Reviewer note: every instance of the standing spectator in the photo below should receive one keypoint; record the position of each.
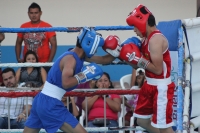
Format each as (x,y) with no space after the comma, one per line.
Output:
(35,76)
(2,37)
(17,105)
(39,41)
(96,105)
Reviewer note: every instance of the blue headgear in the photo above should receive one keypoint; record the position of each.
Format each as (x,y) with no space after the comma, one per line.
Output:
(89,41)
(133,40)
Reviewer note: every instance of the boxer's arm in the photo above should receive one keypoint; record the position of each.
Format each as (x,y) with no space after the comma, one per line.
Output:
(106,59)
(67,66)
(130,53)
(53,43)
(18,47)
(2,37)
(132,65)
(110,46)
(156,53)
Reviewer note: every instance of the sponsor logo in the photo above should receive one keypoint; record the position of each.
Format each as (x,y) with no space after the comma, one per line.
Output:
(90,69)
(130,56)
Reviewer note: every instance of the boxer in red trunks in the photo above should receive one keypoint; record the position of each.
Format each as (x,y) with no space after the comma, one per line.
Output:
(154,107)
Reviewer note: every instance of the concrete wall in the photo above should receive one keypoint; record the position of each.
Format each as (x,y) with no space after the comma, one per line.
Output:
(72,13)
(66,13)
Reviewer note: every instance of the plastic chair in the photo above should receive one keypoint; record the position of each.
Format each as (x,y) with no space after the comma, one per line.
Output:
(125,79)
(82,117)
(120,117)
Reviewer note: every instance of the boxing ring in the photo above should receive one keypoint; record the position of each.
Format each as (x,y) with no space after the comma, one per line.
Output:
(182,40)
(192,89)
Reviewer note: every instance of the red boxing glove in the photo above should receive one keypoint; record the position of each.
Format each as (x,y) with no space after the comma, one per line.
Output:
(131,53)
(112,45)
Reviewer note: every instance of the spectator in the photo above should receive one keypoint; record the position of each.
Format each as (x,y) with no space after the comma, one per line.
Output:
(73,109)
(133,77)
(17,105)
(31,76)
(39,41)
(2,37)
(86,85)
(131,100)
(96,105)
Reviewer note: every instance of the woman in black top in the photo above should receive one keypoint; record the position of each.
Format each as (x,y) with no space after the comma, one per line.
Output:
(34,76)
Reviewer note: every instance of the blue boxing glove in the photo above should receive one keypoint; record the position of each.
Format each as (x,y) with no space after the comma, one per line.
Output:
(89,72)
(133,40)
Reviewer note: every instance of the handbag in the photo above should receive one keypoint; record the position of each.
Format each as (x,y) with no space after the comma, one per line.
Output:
(100,122)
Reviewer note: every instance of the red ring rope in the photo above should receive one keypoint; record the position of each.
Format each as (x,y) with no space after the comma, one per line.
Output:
(12,94)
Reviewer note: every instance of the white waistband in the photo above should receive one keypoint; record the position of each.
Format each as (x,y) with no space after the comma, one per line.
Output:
(53,91)
(153,81)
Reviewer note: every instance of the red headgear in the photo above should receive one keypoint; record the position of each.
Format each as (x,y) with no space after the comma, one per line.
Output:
(138,18)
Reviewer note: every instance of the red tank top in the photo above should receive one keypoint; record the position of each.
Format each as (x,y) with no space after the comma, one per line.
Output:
(166,58)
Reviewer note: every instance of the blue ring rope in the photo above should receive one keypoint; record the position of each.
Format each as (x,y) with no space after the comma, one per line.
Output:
(62,29)
(180,95)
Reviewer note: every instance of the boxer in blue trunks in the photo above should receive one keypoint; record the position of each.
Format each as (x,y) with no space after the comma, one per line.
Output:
(48,112)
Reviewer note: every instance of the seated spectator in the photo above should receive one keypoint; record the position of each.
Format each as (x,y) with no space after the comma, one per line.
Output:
(71,106)
(95,105)
(86,85)
(32,76)
(1,79)
(17,106)
(131,100)
(2,37)
(133,78)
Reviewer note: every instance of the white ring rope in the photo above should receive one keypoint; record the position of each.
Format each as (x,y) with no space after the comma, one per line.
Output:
(88,129)
(46,64)
(25,64)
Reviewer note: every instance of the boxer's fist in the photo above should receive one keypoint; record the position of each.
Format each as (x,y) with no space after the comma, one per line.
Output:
(133,40)
(89,72)
(112,45)
(131,53)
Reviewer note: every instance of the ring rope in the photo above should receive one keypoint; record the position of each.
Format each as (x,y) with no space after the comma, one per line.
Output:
(71,93)
(76,29)
(88,129)
(49,64)
(0,52)
(62,29)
